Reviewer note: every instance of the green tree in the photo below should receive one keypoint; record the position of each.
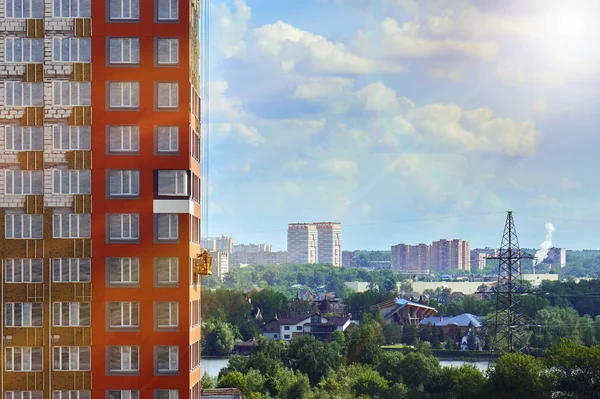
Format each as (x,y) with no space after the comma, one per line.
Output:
(468,382)
(557,323)
(311,357)
(270,302)
(587,330)
(518,376)
(364,342)
(220,341)
(389,365)
(208,382)
(472,340)
(576,369)
(418,368)
(392,333)
(234,379)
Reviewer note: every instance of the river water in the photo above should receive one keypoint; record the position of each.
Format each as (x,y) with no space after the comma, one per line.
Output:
(212,366)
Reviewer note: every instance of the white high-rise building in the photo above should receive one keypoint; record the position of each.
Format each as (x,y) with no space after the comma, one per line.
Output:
(330,243)
(302,243)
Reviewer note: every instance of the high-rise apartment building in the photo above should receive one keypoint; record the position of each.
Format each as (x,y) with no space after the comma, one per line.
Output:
(220,263)
(411,257)
(223,243)
(330,243)
(99,198)
(252,248)
(302,243)
(348,258)
(439,256)
(479,256)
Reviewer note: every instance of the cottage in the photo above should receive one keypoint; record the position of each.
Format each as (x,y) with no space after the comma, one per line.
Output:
(405,312)
(456,328)
(317,325)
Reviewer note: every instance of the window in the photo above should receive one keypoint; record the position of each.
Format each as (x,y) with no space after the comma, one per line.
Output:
(167,314)
(167,226)
(168,94)
(124,271)
(124,314)
(195,354)
(124,226)
(71,314)
(167,139)
(195,229)
(72,395)
(71,181)
(123,358)
(72,9)
(168,51)
(67,93)
(23,182)
(24,395)
(23,94)
(72,270)
(167,394)
(20,138)
(17,49)
(72,225)
(123,183)
(172,182)
(123,394)
(286,336)
(168,10)
(22,9)
(24,270)
(298,328)
(123,139)
(167,271)
(286,328)
(196,188)
(24,358)
(72,358)
(124,9)
(124,50)
(24,314)
(68,138)
(71,49)
(19,226)
(124,94)
(195,144)
(196,310)
(167,359)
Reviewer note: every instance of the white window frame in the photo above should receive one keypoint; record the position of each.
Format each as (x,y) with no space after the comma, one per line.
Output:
(68,94)
(26,94)
(71,49)
(74,10)
(124,394)
(172,270)
(74,183)
(23,138)
(129,138)
(35,9)
(76,225)
(173,15)
(71,270)
(75,136)
(129,314)
(125,359)
(127,94)
(173,95)
(129,270)
(127,50)
(124,220)
(74,312)
(13,311)
(172,233)
(173,355)
(27,354)
(172,136)
(75,358)
(24,395)
(127,10)
(128,182)
(177,175)
(173,314)
(72,394)
(171,46)
(19,50)
(26,220)
(29,270)
(22,182)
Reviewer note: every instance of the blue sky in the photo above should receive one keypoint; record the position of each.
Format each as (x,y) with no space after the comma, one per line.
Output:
(406,120)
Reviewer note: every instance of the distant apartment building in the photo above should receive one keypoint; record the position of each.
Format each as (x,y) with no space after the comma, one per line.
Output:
(348,258)
(259,258)
(221,244)
(220,263)
(252,248)
(479,256)
(329,243)
(557,256)
(302,243)
(439,256)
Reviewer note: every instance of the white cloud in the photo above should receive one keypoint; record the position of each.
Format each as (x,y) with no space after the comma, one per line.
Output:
(222,106)
(365,209)
(246,134)
(540,107)
(231,27)
(323,88)
(451,73)
(340,167)
(569,184)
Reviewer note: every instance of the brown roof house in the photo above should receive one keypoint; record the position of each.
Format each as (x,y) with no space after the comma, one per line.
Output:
(317,325)
(405,312)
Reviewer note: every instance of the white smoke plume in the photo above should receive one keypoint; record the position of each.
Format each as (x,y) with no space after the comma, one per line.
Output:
(542,253)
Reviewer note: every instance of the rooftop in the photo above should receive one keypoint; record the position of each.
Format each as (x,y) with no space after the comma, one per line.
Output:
(462,320)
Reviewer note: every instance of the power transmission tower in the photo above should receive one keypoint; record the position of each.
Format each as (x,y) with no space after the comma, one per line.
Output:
(509,331)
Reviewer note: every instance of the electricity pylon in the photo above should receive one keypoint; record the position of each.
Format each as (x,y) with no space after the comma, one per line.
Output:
(509,330)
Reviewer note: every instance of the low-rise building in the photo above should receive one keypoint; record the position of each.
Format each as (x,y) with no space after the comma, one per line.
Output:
(221,393)
(404,312)
(455,328)
(317,325)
